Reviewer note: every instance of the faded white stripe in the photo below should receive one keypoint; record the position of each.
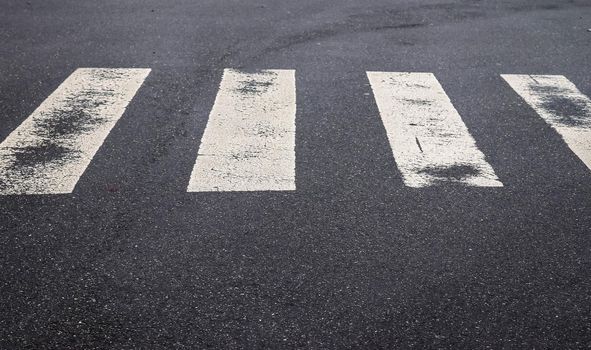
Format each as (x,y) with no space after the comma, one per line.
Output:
(560,104)
(249,140)
(51,149)
(430,142)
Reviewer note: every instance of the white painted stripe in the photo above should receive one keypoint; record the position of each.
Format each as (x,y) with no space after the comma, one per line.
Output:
(430,142)
(249,140)
(560,104)
(51,149)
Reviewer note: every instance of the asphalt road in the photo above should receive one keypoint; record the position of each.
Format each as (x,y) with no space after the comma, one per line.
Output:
(352,258)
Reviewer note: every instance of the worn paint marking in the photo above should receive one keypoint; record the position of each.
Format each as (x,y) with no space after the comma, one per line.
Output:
(430,142)
(52,148)
(249,140)
(561,105)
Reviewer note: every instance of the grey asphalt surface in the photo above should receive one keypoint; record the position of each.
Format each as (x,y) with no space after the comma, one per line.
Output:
(353,258)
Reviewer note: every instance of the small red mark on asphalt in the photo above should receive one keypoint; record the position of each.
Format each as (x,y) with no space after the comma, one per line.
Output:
(112,188)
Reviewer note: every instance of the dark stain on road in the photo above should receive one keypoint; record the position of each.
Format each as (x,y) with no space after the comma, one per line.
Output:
(78,116)
(546,89)
(40,154)
(253,86)
(568,111)
(66,123)
(455,172)
(418,101)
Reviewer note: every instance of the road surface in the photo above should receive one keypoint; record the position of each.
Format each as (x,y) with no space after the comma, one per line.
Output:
(259,174)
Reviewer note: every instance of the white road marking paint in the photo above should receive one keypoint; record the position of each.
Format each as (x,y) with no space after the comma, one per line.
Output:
(249,140)
(560,104)
(52,148)
(430,142)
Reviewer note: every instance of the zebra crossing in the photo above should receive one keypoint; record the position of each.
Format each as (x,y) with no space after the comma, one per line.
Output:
(51,149)
(249,142)
(560,104)
(427,136)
